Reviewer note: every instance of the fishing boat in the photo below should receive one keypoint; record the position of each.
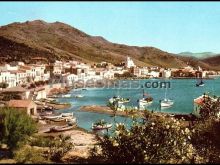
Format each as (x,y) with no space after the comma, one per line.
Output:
(59,119)
(67,114)
(200,84)
(84,89)
(72,120)
(119,99)
(166,102)
(100,125)
(66,96)
(145,100)
(79,96)
(62,128)
(53,116)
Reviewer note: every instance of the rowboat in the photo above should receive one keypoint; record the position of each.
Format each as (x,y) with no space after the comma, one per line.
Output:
(62,128)
(66,96)
(79,96)
(66,114)
(100,127)
(52,116)
(101,124)
(59,119)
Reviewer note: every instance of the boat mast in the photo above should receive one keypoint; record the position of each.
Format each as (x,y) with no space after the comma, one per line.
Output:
(165,95)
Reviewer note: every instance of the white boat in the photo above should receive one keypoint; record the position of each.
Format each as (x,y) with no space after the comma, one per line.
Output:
(59,119)
(166,102)
(62,128)
(101,124)
(66,96)
(119,99)
(67,114)
(52,116)
(200,84)
(79,96)
(145,100)
(100,127)
(72,120)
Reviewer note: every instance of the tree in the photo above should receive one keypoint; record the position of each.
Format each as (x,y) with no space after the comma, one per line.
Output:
(3,85)
(155,140)
(16,126)
(59,147)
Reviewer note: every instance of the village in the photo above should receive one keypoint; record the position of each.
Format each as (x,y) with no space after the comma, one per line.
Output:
(32,82)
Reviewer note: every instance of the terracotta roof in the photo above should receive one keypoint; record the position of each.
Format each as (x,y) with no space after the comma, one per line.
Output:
(199,101)
(19,103)
(25,67)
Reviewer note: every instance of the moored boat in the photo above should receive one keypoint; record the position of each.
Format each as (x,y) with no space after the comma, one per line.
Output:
(166,103)
(145,100)
(101,124)
(66,96)
(119,100)
(79,96)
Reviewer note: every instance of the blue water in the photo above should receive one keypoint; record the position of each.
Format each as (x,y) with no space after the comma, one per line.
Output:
(181,91)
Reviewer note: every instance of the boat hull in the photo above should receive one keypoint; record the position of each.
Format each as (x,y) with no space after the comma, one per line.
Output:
(102,127)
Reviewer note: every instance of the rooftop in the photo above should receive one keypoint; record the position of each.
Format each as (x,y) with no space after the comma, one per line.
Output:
(19,103)
(15,89)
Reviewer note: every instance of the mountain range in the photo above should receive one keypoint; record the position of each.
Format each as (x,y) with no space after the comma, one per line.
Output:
(59,41)
(201,55)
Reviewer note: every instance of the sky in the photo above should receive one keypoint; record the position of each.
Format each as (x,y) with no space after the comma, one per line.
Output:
(170,26)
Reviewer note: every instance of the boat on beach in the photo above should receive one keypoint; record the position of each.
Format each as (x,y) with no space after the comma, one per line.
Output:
(100,125)
(62,128)
(66,96)
(67,114)
(59,119)
(52,116)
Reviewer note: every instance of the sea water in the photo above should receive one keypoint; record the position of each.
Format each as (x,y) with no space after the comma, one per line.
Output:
(182,91)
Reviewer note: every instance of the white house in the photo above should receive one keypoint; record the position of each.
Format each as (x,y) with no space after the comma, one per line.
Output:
(166,73)
(7,77)
(129,63)
(154,74)
(69,79)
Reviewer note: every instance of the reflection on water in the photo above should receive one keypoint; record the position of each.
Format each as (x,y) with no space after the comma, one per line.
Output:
(182,92)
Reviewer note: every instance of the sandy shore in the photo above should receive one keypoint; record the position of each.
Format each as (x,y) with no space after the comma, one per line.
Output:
(82,140)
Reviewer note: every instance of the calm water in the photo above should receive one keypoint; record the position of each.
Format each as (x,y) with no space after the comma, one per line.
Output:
(182,92)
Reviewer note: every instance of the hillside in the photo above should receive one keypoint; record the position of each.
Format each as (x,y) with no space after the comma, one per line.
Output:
(23,41)
(201,55)
(213,61)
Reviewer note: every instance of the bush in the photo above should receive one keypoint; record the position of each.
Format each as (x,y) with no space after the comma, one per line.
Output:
(28,154)
(16,126)
(3,85)
(58,146)
(156,141)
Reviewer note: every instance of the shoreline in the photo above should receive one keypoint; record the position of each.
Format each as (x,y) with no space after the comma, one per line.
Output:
(102,110)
